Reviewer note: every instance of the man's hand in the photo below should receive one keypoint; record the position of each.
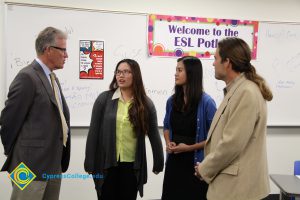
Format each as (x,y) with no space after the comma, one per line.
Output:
(197,168)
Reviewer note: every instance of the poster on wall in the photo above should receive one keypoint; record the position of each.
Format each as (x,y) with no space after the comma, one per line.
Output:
(177,36)
(91,59)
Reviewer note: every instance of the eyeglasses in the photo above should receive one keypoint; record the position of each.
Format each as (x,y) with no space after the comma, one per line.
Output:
(64,50)
(122,72)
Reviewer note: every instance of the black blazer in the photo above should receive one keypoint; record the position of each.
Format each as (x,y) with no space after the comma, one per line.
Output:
(31,129)
(100,153)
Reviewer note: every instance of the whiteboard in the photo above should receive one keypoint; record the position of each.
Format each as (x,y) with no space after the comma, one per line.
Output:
(125,36)
(279,63)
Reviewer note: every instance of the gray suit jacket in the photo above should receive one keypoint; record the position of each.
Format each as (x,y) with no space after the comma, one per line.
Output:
(31,129)
(235,165)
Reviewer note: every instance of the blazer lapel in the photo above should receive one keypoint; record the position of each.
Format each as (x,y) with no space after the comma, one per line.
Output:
(217,116)
(45,81)
(223,105)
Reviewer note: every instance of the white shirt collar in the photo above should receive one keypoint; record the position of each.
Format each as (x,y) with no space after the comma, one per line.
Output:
(117,94)
(45,68)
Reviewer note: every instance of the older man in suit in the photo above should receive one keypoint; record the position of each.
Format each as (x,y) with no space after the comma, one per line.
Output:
(235,164)
(35,120)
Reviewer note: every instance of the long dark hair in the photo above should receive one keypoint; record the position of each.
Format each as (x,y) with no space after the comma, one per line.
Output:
(138,111)
(193,86)
(239,54)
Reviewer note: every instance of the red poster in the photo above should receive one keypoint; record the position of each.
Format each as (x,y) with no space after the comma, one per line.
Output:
(91,59)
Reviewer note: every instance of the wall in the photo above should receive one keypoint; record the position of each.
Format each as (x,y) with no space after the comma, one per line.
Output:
(283,147)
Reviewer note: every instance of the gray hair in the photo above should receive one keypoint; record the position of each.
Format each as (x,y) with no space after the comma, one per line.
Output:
(48,37)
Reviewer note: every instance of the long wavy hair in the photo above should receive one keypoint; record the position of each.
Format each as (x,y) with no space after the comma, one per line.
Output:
(193,86)
(138,111)
(239,54)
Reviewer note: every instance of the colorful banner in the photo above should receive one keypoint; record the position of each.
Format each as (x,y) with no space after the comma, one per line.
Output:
(176,36)
(91,59)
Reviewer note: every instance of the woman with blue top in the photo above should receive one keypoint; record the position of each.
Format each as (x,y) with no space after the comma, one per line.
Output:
(189,113)
(122,117)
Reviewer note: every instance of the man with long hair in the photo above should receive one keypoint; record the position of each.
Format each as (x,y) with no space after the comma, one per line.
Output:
(235,163)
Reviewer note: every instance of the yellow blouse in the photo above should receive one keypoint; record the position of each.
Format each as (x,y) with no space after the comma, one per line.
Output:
(126,139)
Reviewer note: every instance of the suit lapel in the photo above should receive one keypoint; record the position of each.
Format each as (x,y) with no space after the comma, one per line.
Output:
(217,116)
(45,81)
(223,106)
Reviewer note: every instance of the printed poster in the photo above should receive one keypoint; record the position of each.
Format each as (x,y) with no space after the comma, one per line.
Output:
(91,59)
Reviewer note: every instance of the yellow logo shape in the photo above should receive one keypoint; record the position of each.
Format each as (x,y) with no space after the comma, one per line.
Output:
(22,176)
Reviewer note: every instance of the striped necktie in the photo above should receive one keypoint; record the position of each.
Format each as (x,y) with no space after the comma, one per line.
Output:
(62,116)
